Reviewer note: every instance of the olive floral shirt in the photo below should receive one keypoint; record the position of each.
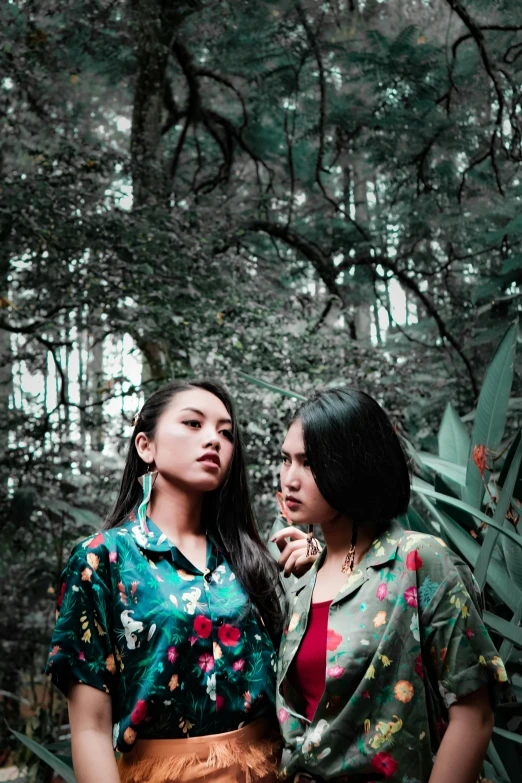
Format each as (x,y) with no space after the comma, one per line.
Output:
(405,641)
(181,652)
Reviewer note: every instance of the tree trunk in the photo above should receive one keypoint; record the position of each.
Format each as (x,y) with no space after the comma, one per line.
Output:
(156,23)
(95,383)
(362,276)
(6,359)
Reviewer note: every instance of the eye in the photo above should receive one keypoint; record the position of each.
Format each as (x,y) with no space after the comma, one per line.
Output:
(229,435)
(306,464)
(284,459)
(194,423)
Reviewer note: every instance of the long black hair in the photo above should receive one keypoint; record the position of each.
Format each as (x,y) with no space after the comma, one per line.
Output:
(355,456)
(227,512)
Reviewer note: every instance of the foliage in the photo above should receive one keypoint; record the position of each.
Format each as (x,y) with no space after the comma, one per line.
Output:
(494,547)
(305,193)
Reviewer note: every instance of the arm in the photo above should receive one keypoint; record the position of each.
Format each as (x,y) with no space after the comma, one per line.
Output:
(465,742)
(90,716)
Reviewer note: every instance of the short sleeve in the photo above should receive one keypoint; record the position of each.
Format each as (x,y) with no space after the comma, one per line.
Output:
(455,640)
(81,647)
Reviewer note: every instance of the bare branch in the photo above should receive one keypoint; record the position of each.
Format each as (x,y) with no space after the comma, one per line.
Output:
(321,263)
(477,34)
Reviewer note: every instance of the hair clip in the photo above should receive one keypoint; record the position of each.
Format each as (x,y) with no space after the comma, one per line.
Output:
(136,419)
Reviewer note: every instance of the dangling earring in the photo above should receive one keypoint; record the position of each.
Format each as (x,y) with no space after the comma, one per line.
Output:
(312,544)
(349,562)
(147,481)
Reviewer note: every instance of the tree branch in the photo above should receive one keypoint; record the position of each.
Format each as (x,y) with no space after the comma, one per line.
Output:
(476,33)
(409,282)
(321,263)
(498,27)
(328,273)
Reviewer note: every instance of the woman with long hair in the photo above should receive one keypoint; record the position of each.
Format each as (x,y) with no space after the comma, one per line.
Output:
(386,671)
(167,619)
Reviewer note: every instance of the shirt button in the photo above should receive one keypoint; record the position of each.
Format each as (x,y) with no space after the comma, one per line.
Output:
(220,621)
(208,577)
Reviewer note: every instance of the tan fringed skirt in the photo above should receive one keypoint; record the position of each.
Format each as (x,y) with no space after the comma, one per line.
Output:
(248,755)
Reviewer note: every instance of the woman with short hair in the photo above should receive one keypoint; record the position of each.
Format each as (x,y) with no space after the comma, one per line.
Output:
(386,671)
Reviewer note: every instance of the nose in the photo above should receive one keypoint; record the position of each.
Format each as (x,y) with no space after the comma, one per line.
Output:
(211,441)
(290,478)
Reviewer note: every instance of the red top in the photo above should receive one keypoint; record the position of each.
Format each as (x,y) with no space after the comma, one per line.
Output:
(308,669)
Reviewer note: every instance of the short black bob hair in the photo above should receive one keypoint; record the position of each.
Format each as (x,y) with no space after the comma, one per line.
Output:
(355,456)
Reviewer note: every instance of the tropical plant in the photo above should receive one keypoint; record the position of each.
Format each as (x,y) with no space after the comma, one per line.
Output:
(51,755)
(471,493)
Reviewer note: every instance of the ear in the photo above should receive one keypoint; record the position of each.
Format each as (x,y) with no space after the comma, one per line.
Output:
(145,448)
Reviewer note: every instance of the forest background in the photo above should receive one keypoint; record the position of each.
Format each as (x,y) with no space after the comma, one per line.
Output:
(302,192)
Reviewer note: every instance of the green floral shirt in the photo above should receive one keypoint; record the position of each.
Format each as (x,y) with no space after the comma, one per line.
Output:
(182,653)
(405,640)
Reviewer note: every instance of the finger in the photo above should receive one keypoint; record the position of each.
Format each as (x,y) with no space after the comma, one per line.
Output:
(292,546)
(293,533)
(289,565)
(303,564)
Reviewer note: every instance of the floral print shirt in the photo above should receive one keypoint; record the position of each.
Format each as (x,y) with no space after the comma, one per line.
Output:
(405,641)
(182,653)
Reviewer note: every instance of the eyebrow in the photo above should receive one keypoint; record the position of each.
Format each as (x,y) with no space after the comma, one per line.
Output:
(200,413)
(299,453)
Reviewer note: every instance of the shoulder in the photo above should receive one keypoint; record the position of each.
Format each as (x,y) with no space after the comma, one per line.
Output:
(438,570)
(422,552)
(98,551)
(102,543)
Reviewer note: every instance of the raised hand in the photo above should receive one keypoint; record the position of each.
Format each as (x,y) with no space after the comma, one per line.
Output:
(292,544)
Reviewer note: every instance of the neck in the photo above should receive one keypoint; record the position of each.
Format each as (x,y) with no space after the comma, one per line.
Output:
(337,534)
(176,511)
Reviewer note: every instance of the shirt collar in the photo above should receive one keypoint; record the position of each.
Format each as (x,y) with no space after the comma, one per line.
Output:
(383,549)
(156,541)
(385,546)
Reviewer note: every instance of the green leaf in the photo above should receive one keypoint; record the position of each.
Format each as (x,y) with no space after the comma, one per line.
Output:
(417,523)
(464,519)
(270,386)
(513,560)
(510,735)
(517,492)
(500,772)
(490,417)
(85,517)
(454,441)
(450,470)
(513,264)
(469,549)
(504,628)
(490,288)
(506,648)
(512,556)
(49,758)
(499,518)
(426,489)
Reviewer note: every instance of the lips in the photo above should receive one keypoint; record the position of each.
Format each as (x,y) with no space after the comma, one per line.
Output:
(292,502)
(211,456)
